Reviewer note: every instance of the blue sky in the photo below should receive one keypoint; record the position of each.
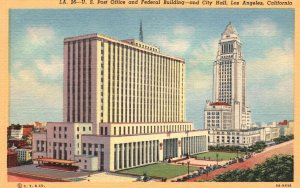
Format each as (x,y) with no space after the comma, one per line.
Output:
(36,54)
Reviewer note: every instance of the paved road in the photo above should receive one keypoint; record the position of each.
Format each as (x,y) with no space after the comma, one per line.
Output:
(32,170)
(12,178)
(284,148)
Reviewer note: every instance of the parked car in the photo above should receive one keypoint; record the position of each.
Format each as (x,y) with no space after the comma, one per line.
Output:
(185,178)
(140,178)
(225,165)
(147,178)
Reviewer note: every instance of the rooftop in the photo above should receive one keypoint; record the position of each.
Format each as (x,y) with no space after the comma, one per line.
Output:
(219,104)
(230,32)
(51,160)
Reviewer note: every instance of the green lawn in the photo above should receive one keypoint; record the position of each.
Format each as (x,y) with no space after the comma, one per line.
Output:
(160,170)
(213,155)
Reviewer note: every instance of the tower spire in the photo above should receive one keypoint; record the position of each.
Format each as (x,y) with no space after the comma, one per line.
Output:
(141,31)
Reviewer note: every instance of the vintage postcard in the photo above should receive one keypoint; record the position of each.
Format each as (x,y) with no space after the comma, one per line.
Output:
(167,93)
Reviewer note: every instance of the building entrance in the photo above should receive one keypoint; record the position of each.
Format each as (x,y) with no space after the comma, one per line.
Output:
(170,148)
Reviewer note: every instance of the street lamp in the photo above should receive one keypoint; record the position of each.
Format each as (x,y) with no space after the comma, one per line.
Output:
(188,143)
(188,163)
(217,158)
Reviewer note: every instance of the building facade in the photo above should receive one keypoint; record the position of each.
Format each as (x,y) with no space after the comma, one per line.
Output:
(12,158)
(24,154)
(124,106)
(228,112)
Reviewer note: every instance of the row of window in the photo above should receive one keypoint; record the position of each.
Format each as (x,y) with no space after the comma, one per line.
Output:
(114,64)
(88,150)
(85,74)
(146,129)
(136,153)
(60,128)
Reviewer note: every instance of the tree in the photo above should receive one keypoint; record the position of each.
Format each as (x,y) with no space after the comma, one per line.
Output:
(279,168)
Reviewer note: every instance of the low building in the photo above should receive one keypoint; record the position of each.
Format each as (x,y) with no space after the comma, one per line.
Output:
(118,145)
(24,155)
(12,158)
(286,128)
(241,138)
(16,131)
(270,132)
(19,143)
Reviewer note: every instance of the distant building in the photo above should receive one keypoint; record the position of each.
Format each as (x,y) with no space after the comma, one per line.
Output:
(286,128)
(16,131)
(235,137)
(19,135)
(12,158)
(19,143)
(270,132)
(227,117)
(24,154)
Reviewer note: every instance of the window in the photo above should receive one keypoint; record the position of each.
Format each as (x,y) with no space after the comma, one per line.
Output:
(90,128)
(101,131)
(59,128)
(105,130)
(77,136)
(54,128)
(83,128)
(77,128)
(65,128)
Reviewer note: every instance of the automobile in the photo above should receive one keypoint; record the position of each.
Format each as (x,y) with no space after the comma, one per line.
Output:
(190,176)
(147,178)
(225,165)
(185,178)
(200,173)
(140,178)
(179,180)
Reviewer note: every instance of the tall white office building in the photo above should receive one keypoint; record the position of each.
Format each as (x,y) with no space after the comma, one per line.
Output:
(229,111)
(124,106)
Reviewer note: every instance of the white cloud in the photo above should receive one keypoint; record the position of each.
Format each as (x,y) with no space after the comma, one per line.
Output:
(40,35)
(272,101)
(175,46)
(198,81)
(205,54)
(37,38)
(26,88)
(270,83)
(176,42)
(52,69)
(277,62)
(181,29)
(260,27)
